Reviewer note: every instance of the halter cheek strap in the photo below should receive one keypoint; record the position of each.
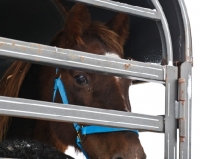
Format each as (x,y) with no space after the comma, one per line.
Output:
(58,85)
(83,130)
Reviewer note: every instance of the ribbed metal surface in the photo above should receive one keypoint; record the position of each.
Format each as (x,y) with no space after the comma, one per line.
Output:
(66,58)
(72,113)
(122,7)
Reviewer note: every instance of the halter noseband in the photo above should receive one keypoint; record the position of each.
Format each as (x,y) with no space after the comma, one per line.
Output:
(83,130)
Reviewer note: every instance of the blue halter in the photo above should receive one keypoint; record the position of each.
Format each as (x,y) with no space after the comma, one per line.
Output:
(83,130)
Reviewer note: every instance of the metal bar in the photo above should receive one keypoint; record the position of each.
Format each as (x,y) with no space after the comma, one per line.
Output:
(163,42)
(122,7)
(185,143)
(166,40)
(170,113)
(66,58)
(187,29)
(72,113)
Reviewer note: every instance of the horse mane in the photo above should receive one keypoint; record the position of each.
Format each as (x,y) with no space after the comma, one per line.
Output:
(10,85)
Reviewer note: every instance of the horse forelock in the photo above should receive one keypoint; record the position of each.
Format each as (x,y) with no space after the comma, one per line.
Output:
(102,33)
(107,36)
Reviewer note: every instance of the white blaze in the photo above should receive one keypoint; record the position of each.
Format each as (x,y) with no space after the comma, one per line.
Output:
(112,54)
(117,79)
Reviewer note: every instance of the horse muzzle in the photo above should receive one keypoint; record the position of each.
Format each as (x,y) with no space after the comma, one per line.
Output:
(114,145)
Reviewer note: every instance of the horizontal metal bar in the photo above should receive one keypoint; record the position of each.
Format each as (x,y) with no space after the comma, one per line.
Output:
(122,7)
(42,54)
(73,113)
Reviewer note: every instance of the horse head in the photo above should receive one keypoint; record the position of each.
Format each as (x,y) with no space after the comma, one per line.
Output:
(91,89)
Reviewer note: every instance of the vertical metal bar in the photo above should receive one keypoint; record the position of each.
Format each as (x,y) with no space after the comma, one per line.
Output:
(187,29)
(185,145)
(164,30)
(170,119)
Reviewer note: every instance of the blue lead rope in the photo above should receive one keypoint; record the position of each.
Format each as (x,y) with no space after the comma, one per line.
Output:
(84,130)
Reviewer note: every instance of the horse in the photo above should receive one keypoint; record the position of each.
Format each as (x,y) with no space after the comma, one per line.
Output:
(82,88)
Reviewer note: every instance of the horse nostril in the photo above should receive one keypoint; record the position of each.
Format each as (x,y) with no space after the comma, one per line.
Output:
(118,158)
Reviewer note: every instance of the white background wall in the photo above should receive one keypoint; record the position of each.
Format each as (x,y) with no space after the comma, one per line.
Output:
(149,98)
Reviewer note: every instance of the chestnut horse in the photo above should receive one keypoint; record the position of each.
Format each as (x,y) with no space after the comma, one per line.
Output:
(86,89)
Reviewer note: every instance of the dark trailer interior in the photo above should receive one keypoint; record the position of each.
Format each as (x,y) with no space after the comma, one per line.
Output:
(165,42)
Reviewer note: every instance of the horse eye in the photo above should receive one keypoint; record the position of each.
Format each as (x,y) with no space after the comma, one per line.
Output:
(80,79)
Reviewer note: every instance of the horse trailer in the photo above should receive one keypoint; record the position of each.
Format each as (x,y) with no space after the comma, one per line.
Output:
(159,42)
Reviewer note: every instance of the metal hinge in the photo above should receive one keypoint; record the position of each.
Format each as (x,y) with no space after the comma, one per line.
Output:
(180,108)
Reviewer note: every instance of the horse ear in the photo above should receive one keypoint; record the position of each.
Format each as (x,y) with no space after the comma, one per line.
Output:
(120,25)
(78,21)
